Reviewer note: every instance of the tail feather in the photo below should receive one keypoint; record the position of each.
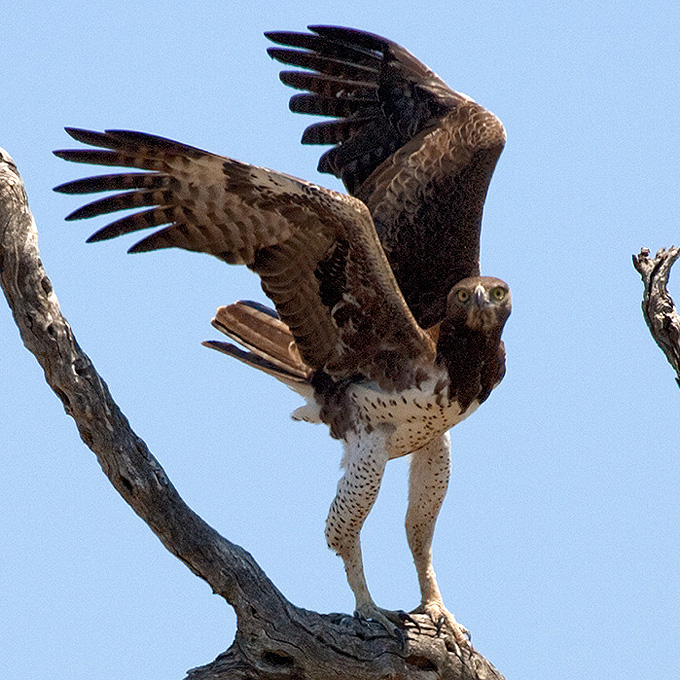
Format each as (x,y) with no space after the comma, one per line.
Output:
(271,345)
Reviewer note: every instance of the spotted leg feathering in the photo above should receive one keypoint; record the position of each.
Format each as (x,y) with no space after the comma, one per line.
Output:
(428,481)
(364,460)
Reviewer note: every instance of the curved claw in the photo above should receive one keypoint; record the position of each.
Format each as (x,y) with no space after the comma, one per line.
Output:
(444,620)
(391,621)
(405,616)
(460,633)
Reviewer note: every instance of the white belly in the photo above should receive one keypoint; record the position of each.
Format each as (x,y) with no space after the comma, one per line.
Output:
(418,415)
(415,416)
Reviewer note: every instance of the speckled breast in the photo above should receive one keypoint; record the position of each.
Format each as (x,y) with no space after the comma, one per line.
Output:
(418,414)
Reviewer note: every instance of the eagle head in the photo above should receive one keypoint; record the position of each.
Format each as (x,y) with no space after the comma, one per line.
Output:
(481,303)
(469,342)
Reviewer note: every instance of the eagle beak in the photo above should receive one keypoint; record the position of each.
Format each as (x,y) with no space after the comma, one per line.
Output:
(480,297)
(481,314)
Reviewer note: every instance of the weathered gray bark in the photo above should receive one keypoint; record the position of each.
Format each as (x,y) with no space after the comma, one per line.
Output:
(657,305)
(274,639)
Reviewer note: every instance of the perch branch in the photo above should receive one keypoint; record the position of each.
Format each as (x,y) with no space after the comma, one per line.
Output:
(658,307)
(274,639)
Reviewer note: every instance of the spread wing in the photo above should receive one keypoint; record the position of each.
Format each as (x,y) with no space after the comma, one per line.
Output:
(315,250)
(417,153)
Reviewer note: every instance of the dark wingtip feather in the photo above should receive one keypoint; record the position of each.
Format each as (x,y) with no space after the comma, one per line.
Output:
(133,140)
(129,224)
(109,204)
(142,247)
(365,39)
(126,140)
(232,351)
(156,241)
(269,52)
(90,137)
(91,156)
(290,38)
(76,215)
(114,182)
(101,235)
(65,188)
(66,154)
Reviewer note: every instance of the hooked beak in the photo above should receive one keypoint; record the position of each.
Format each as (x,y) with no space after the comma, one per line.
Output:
(480,298)
(481,315)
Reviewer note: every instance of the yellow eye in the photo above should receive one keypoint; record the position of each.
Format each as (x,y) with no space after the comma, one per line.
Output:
(462,295)
(498,293)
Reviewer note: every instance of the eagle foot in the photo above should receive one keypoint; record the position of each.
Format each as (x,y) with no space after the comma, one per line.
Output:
(444,621)
(405,616)
(392,621)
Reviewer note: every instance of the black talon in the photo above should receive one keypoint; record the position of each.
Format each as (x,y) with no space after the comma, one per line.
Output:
(405,616)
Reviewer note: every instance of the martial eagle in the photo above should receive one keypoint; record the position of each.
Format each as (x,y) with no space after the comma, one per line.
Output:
(383,322)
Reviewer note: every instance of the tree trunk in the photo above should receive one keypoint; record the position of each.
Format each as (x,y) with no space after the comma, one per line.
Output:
(275,639)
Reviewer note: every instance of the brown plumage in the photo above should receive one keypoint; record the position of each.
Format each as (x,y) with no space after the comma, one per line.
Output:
(270,345)
(417,153)
(417,158)
(315,250)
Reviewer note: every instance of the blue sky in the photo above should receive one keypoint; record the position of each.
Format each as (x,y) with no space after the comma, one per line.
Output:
(558,542)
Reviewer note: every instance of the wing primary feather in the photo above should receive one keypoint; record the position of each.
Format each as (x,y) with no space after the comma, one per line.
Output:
(95,157)
(126,225)
(133,140)
(337,107)
(332,132)
(329,48)
(328,86)
(131,199)
(128,140)
(177,235)
(132,180)
(90,137)
(322,64)
(353,36)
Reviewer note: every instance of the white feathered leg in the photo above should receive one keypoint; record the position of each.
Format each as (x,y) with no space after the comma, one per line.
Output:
(428,482)
(363,463)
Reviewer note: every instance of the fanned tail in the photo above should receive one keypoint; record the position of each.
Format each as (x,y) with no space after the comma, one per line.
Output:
(270,344)
(269,347)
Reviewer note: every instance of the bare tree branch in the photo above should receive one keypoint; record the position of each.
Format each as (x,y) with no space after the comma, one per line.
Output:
(658,307)
(274,639)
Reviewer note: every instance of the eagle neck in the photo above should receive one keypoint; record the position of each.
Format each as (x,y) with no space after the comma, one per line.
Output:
(474,361)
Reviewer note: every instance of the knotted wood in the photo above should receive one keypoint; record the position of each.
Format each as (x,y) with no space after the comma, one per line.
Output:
(658,307)
(275,639)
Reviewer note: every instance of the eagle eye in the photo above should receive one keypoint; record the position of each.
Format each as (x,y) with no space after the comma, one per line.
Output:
(498,293)
(463,295)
